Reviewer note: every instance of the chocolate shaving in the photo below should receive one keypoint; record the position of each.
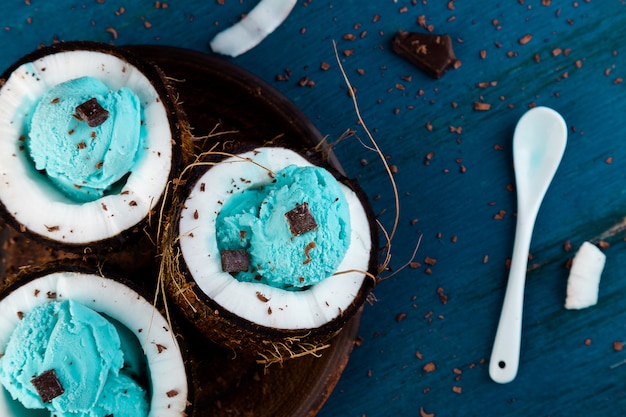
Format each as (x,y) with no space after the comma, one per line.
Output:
(300,219)
(235,260)
(307,250)
(92,112)
(431,53)
(48,386)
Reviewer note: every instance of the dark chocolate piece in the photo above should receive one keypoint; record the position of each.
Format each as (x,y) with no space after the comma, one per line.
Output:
(235,260)
(431,53)
(92,112)
(48,386)
(300,219)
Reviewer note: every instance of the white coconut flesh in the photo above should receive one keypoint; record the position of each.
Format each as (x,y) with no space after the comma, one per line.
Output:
(306,309)
(168,380)
(35,202)
(262,20)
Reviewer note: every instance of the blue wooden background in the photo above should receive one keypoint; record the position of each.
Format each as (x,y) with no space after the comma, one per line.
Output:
(462,202)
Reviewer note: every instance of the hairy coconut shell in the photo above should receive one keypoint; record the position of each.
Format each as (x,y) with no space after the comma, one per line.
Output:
(230,330)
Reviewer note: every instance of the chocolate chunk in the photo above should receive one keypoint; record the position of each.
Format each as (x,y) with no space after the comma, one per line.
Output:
(235,260)
(48,386)
(92,112)
(300,219)
(431,53)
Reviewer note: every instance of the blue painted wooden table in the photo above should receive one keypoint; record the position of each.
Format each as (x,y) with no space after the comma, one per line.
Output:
(425,342)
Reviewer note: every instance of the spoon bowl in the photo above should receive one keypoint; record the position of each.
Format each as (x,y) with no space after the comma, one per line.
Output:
(538,145)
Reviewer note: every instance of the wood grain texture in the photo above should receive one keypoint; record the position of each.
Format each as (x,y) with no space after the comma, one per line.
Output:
(575,63)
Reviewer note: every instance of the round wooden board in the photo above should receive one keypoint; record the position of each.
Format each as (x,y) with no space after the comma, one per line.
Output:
(217,94)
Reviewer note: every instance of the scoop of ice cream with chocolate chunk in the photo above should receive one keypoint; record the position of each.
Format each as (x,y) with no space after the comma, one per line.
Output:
(295,230)
(301,252)
(85,137)
(67,358)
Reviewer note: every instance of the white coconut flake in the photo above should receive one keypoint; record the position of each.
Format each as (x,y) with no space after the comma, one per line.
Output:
(584,278)
(283,309)
(168,378)
(262,20)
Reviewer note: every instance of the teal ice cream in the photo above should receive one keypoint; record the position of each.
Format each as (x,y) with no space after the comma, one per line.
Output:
(258,221)
(84,350)
(82,158)
(121,397)
(135,361)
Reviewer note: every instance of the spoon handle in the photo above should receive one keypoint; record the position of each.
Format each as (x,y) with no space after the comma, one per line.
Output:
(504,360)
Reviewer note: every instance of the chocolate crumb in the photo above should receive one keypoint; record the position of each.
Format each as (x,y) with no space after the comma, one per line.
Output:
(48,386)
(481,106)
(429,367)
(112,31)
(307,250)
(442,295)
(525,39)
(567,246)
(423,413)
(92,112)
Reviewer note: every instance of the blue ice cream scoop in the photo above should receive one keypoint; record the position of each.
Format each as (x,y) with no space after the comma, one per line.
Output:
(121,397)
(294,230)
(85,136)
(78,352)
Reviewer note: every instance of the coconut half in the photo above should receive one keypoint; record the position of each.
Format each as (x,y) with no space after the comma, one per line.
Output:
(167,377)
(250,316)
(28,198)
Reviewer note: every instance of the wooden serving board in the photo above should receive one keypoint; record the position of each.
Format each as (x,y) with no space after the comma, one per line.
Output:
(216,94)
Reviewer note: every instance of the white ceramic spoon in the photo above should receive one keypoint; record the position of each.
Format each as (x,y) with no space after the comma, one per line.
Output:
(538,145)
